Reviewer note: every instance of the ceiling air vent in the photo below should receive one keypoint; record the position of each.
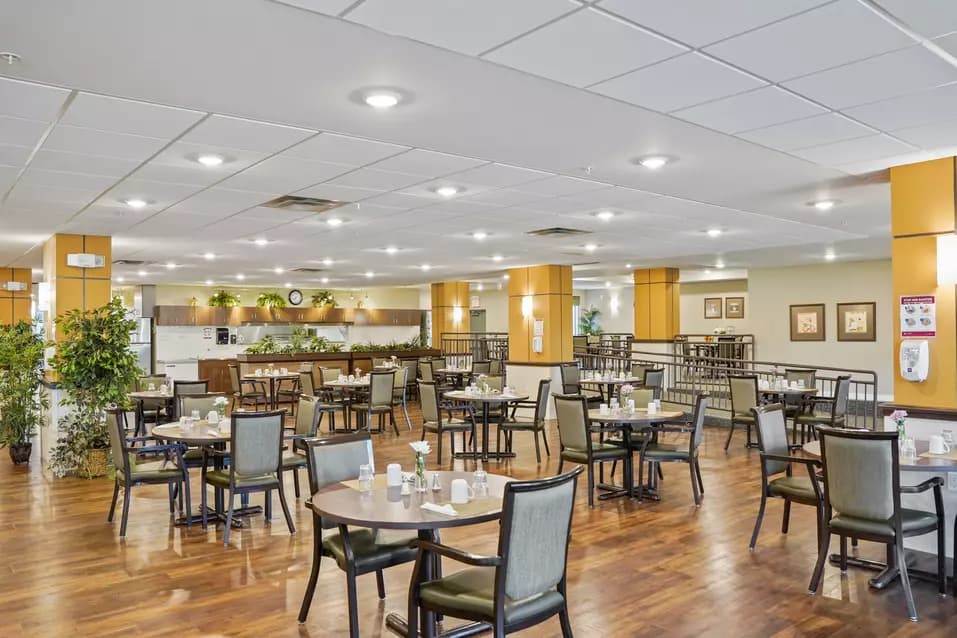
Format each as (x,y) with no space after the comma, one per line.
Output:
(131,262)
(305,270)
(558,231)
(304,204)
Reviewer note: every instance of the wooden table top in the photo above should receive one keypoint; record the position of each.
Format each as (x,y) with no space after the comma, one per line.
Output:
(639,416)
(150,394)
(788,390)
(201,433)
(363,383)
(481,397)
(941,463)
(386,507)
(263,377)
(615,381)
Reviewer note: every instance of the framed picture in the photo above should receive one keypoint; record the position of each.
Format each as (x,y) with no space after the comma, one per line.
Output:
(734,307)
(855,321)
(807,322)
(712,307)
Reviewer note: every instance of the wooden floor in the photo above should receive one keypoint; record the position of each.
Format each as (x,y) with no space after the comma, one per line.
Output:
(635,569)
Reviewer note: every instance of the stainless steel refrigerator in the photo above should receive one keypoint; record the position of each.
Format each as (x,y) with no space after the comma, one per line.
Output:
(141,343)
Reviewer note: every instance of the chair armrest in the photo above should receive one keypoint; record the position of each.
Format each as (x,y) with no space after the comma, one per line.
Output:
(457,554)
(935,481)
(213,452)
(811,463)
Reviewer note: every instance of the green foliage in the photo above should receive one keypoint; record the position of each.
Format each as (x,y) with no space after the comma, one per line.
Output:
(95,368)
(271,300)
(323,299)
(414,343)
(223,299)
(266,345)
(21,373)
(588,323)
(299,341)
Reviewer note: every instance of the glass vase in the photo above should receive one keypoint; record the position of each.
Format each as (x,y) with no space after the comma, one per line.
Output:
(420,483)
(901,431)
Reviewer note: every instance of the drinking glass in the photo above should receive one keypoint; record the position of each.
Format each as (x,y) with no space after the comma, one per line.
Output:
(365,478)
(909,447)
(194,415)
(948,435)
(151,387)
(480,484)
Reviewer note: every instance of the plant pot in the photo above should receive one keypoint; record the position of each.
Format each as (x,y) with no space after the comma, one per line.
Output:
(96,462)
(20,453)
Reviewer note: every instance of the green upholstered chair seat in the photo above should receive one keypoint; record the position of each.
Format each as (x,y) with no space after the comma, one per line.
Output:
(666,452)
(369,554)
(152,471)
(520,423)
(743,418)
(796,488)
(447,425)
(193,454)
(292,459)
(819,418)
(471,592)
(915,522)
(600,452)
(220,478)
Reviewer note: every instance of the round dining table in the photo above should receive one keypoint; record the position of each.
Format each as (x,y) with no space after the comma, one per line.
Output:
(140,396)
(349,389)
(606,385)
(486,400)
(386,507)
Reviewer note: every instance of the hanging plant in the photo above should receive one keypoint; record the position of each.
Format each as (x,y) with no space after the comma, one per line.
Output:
(323,299)
(223,299)
(270,300)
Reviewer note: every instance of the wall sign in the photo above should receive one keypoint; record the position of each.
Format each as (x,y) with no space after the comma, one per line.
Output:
(918,316)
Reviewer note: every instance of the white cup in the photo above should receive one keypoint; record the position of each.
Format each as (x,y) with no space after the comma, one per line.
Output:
(938,445)
(151,387)
(652,408)
(259,372)
(213,417)
(393,474)
(194,414)
(461,492)
(631,405)
(602,408)
(285,370)
(164,389)
(658,404)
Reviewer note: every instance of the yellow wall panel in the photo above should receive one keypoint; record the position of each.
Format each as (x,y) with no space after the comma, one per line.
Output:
(96,293)
(6,312)
(549,287)
(922,197)
(21,310)
(99,245)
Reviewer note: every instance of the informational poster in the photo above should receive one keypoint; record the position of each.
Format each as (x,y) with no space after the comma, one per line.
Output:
(539,328)
(207,333)
(918,316)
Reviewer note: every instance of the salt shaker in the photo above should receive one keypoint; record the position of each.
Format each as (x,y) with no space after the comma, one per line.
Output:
(436,484)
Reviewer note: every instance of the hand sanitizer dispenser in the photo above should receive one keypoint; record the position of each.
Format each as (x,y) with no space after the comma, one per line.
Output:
(915,359)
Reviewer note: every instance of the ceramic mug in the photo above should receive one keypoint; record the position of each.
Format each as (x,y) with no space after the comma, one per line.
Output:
(461,492)
(938,445)
(393,474)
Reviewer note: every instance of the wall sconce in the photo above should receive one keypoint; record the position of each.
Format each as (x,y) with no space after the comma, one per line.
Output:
(457,314)
(614,304)
(947,260)
(527,306)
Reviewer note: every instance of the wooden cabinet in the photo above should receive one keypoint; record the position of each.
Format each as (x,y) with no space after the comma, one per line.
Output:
(217,371)
(206,316)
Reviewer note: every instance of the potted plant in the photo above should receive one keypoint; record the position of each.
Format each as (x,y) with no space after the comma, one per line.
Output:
(588,323)
(223,299)
(323,299)
(95,368)
(21,404)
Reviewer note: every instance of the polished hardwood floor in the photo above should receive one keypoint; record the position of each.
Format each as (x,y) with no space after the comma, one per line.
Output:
(635,569)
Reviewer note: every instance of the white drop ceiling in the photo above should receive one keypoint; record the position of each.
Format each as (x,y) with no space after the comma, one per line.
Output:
(535,110)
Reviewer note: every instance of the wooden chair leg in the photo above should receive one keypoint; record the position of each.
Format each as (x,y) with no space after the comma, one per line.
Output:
(116,492)
(565,623)
(295,481)
(757,522)
(905,580)
(314,574)
(538,451)
(353,603)
(730,434)
(591,484)
(843,554)
(821,558)
(694,484)
(785,521)
(229,517)
(126,509)
(285,509)
(380,584)
(697,468)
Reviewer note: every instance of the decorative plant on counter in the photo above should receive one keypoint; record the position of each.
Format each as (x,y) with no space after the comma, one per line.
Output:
(266,345)
(588,322)
(96,368)
(223,299)
(415,343)
(270,300)
(323,299)
(21,404)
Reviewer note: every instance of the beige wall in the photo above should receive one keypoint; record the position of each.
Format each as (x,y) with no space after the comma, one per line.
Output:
(392,298)
(495,304)
(617,306)
(692,306)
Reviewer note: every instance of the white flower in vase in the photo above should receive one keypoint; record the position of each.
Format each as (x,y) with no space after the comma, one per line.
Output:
(421,447)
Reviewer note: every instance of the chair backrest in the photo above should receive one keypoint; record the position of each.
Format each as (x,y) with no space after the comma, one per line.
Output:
(772,435)
(571,378)
(379,362)
(579,343)
(329,374)
(795,375)
(427,371)
(234,377)
(202,403)
(481,367)
(541,401)
(306,383)
(412,368)
(307,415)
(572,414)
(335,459)
(861,472)
(256,442)
(115,423)
(438,363)
(641,395)
(700,411)
(429,402)
(744,392)
(143,383)
(534,535)
(638,370)
(380,389)
(841,392)
(399,378)
(495,366)
(190,387)
(494,383)
(654,377)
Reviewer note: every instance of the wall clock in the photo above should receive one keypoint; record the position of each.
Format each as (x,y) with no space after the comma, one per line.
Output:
(295,296)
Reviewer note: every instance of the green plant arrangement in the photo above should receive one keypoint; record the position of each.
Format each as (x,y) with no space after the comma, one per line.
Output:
(21,403)
(223,299)
(323,299)
(266,345)
(270,300)
(588,323)
(414,343)
(95,368)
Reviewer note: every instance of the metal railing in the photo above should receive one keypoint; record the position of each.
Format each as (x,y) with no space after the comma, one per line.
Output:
(610,343)
(686,376)
(462,348)
(715,347)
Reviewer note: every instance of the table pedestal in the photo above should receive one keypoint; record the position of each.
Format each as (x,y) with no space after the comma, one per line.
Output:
(485,453)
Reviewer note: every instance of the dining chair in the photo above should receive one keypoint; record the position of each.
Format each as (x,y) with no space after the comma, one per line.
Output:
(246,391)
(830,411)
(356,550)
(411,376)
(130,471)
(862,483)
(795,405)
(400,390)
(744,397)
(575,437)
(638,370)
(536,424)
(329,395)
(496,367)
(571,383)
(255,465)
(379,402)
(188,387)
(288,391)
(307,426)
(655,452)
(308,388)
(432,420)
(481,367)
(777,478)
(156,408)
(524,583)
(655,378)
(379,362)
(202,403)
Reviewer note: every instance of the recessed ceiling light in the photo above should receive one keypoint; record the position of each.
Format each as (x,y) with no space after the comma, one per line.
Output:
(135,203)
(627,265)
(447,191)
(210,160)
(326,262)
(479,235)
(141,273)
(288,285)
(120,279)
(392,250)
(714,232)
(426,267)
(381,99)
(654,162)
(170,265)
(324,280)
(209,282)
(604,215)
(590,247)
(497,258)
(830,256)
(334,221)
(261,241)
(824,204)
(370,274)
(278,270)
(209,256)
(240,276)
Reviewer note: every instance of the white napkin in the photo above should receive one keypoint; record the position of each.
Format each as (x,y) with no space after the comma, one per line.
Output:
(448,510)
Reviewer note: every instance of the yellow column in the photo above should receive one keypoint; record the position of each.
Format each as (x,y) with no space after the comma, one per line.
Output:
(72,287)
(923,208)
(540,294)
(657,303)
(15,304)
(450,309)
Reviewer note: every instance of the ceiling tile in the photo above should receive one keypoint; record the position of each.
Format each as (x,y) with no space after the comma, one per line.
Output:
(605,47)
(375,179)
(755,109)
(712,20)
(427,163)
(82,163)
(75,139)
(342,149)
(677,83)
(7,176)
(399,200)
(825,37)
(284,175)
(159,195)
(20,132)
(30,101)
(948,43)
(504,197)
(177,163)
(501,175)
(941,134)
(930,18)
(329,7)
(857,150)
(11,155)
(339,192)
(906,111)
(811,131)
(560,185)
(878,78)
(93,184)
(249,135)
(218,202)
(460,25)
(129,116)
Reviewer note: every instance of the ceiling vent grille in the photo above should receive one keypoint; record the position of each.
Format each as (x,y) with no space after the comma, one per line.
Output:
(306,270)
(304,204)
(558,231)
(131,262)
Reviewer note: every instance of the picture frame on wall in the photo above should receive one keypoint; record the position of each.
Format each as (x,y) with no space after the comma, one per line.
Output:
(734,307)
(712,307)
(807,322)
(856,321)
